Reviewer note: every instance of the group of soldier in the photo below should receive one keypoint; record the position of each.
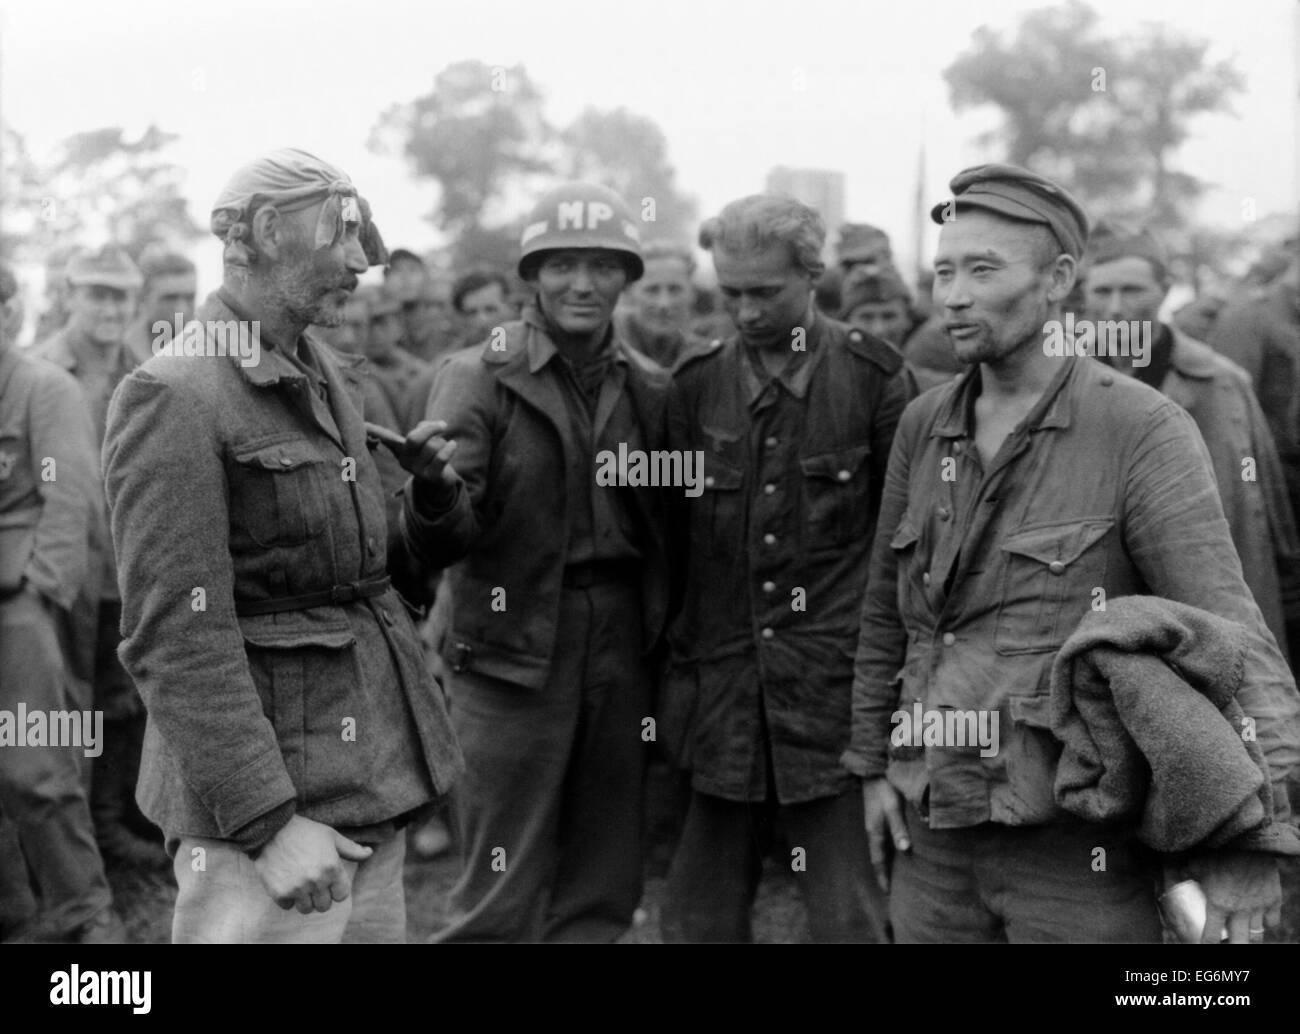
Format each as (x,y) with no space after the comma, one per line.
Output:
(369,585)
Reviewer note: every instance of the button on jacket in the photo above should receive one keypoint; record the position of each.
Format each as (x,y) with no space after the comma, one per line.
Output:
(774,553)
(229,483)
(978,576)
(524,476)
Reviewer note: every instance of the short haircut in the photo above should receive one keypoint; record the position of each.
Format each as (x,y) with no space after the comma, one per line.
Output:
(669,250)
(403,255)
(1111,241)
(476,280)
(1045,247)
(8,283)
(759,221)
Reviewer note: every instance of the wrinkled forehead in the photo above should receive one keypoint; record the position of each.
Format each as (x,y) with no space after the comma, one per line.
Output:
(974,234)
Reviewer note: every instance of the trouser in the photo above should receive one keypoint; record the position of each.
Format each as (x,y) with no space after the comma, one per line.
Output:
(549,807)
(41,789)
(715,873)
(119,823)
(220,899)
(1069,881)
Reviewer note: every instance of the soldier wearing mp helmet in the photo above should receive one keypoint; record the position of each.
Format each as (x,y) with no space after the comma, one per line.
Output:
(561,594)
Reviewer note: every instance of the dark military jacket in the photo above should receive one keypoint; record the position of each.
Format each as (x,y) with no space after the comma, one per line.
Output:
(774,556)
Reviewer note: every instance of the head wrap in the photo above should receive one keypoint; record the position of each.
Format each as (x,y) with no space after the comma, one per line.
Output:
(1016,193)
(291,180)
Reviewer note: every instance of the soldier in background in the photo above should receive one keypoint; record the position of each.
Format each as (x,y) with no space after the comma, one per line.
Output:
(656,316)
(170,288)
(1262,336)
(1127,280)
(393,367)
(102,289)
(55,313)
(862,250)
(50,498)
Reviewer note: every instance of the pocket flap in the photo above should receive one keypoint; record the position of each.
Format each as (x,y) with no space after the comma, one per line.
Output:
(1061,543)
(286,455)
(840,465)
(1031,710)
(905,536)
(324,627)
(720,475)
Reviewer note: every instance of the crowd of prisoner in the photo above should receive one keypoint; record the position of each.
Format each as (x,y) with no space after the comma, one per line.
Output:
(318,648)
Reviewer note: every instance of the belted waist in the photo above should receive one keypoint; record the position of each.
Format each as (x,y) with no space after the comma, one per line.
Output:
(596,572)
(337,595)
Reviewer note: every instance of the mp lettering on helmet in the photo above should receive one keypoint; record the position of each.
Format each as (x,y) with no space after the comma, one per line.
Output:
(571,215)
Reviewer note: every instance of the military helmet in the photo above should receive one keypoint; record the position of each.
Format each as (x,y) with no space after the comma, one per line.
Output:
(580,215)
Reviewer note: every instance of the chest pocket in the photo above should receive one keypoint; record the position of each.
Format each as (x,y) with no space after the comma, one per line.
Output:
(278,493)
(718,528)
(1050,572)
(837,491)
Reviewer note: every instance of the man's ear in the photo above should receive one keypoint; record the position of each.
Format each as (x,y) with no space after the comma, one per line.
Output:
(1063,273)
(270,232)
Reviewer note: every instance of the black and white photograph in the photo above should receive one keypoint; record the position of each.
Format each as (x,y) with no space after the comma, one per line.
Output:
(685,473)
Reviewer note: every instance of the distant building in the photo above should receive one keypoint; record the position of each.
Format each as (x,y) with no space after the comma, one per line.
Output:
(823,189)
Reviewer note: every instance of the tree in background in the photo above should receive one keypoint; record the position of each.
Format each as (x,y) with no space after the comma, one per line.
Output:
(99,185)
(1103,114)
(482,136)
(629,154)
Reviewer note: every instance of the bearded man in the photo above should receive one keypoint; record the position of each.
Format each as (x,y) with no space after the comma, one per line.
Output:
(293,729)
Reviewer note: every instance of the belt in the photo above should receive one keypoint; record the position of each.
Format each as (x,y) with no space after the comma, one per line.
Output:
(596,572)
(336,596)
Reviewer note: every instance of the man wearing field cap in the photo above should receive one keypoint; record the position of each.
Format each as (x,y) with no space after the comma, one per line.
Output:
(293,729)
(50,497)
(103,286)
(561,596)
(1127,280)
(1019,499)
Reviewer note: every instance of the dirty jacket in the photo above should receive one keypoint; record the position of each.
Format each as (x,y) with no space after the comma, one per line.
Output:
(978,577)
(774,555)
(227,484)
(510,522)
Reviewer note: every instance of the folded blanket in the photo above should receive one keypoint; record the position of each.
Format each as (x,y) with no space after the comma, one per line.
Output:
(1143,698)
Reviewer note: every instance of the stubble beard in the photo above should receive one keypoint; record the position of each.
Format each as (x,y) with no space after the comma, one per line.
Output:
(303,292)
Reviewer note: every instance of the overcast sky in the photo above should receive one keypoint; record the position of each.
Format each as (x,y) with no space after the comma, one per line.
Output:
(238,77)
